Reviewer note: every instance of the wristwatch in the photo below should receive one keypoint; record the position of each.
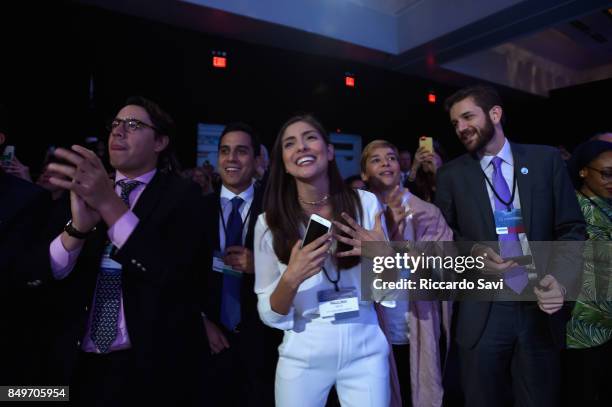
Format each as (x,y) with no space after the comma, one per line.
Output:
(72,231)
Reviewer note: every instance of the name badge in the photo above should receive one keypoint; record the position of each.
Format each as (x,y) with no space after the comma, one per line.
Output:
(107,263)
(220,267)
(507,222)
(338,305)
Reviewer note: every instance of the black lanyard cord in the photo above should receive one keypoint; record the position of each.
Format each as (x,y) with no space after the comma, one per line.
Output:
(246,218)
(334,282)
(509,203)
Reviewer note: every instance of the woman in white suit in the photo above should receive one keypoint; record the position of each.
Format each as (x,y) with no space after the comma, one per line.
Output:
(348,349)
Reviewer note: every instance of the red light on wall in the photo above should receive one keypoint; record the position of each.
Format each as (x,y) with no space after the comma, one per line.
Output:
(219,62)
(349,81)
(431,97)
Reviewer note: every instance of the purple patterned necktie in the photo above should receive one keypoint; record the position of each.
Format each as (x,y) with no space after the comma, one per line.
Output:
(509,244)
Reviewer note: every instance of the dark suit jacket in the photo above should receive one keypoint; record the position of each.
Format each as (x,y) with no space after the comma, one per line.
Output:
(23,213)
(248,299)
(550,213)
(248,366)
(160,282)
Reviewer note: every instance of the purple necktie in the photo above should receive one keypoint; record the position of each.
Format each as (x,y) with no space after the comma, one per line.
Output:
(509,244)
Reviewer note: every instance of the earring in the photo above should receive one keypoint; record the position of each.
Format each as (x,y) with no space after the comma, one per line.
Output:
(582,175)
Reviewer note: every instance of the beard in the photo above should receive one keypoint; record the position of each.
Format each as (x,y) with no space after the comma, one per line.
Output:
(483,136)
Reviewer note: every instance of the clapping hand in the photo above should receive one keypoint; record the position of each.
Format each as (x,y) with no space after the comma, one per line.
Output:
(88,180)
(396,214)
(357,234)
(87,176)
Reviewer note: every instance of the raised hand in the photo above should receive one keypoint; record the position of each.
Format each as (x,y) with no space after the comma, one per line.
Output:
(396,214)
(17,169)
(357,234)
(421,155)
(88,179)
(87,176)
(84,217)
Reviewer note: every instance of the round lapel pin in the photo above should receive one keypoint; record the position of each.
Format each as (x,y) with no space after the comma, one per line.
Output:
(524,170)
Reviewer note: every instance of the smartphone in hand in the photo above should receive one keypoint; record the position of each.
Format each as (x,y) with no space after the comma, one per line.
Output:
(426,142)
(7,156)
(520,260)
(317,227)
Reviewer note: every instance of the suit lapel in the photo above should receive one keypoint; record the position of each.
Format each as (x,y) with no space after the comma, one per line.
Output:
(255,211)
(146,203)
(216,240)
(476,188)
(524,183)
(150,196)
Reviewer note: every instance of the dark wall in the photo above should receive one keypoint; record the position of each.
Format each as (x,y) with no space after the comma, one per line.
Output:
(53,54)
(579,112)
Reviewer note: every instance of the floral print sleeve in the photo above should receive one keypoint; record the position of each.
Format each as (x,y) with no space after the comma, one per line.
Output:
(591,321)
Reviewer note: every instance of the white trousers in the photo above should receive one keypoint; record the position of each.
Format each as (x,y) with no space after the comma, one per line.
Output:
(352,354)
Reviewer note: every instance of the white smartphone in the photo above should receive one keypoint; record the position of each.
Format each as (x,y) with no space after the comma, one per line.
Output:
(317,227)
(9,153)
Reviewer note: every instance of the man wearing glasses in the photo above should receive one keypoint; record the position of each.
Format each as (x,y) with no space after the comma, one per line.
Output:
(128,327)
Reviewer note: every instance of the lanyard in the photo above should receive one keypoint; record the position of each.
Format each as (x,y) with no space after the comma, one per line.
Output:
(246,218)
(334,282)
(509,203)
(595,204)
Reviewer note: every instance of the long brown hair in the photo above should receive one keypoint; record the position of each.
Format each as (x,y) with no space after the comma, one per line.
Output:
(284,215)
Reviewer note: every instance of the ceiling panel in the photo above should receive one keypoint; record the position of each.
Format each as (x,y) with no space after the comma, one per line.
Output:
(390,7)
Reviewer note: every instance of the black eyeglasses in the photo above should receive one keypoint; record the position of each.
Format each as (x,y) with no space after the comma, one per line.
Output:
(606,175)
(131,124)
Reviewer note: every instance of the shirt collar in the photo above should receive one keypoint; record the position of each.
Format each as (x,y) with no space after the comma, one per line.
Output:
(406,196)
(246,195)
(505,154)
(144,178)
